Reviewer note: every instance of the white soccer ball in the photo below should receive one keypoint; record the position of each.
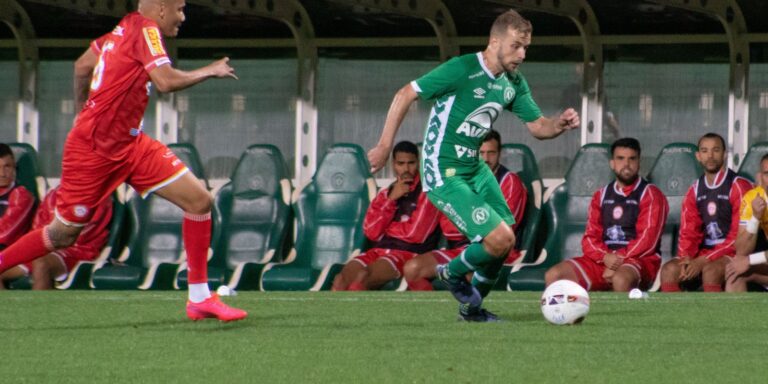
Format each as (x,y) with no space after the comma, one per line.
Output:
(565,302)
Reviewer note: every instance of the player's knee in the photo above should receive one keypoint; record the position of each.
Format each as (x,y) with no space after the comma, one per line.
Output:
(622,283)
(411,270)
(670,272)
(200,205)
(712,273)
(500,241)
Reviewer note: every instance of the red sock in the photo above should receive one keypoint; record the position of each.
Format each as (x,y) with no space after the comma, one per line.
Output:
(420,285)
(196,231)
(670,287)
(357,286)
(29,247)
(713,288)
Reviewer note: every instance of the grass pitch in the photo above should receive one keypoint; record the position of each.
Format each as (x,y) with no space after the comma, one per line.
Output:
(379,337)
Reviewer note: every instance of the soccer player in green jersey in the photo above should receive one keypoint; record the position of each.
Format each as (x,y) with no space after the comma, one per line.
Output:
(469,92)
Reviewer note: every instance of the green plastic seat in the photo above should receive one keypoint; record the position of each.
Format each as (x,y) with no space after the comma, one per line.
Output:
(329,216)
(155,254)
(565,216)
(750,165)
(674,171)
(28,169)
(255,212)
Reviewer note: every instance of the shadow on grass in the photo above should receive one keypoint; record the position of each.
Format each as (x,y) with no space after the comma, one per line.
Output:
(208,325)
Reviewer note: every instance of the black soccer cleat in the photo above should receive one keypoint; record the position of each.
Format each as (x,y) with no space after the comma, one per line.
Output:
(477,315)
(464,292)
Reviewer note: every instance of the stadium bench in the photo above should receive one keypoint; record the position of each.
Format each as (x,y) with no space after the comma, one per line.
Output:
(750,165)
(329,215)
(565,216)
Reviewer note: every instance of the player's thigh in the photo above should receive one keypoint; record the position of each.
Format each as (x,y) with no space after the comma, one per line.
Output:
(155,166)
(714,271)
(484,183)
(421,267)
(590,273)
(86,180)
(471,215)
(670,271)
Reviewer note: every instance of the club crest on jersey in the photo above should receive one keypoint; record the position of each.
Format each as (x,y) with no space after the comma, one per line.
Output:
(80,210)
(618,212)
(711,208)
(154,41)
(480,215)
(509,94)
(118,31)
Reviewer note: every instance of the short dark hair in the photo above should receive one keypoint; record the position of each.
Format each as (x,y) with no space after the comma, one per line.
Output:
(5,150)
(626,142)
(493,135)
(764,158)
(712,135)
(510,20)
(407,147)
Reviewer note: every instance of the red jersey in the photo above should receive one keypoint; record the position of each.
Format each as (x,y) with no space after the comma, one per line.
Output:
(112,117)
(408,223)
(16,210)
(94,234)
(719,201)
(647,229)
(516,197)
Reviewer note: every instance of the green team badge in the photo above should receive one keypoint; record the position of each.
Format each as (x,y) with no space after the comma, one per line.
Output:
(480,215)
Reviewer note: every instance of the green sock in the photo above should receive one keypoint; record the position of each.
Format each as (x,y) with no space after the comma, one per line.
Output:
(485,278)
(473,258)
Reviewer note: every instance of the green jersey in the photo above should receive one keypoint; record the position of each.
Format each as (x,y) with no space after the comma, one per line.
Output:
(468,99)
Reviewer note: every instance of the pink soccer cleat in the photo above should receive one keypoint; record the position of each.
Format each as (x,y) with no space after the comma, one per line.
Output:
(212,307)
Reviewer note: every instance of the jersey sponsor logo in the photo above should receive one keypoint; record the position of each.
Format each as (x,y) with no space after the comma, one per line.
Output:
(480,215)
(462,150)
(713,232)
(495,87)
(476,74)
(478,123)
(479,93)
(118,31)
(615,235)
(711,208)
(509,94)
(154,41)
(618,212)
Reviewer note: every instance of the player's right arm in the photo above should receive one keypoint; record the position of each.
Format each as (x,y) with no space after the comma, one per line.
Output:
(402,101)
(690,235)
(17,217)
(83,71)
(169,79)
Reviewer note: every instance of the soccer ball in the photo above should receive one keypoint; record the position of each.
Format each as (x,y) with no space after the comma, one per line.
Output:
(565,302)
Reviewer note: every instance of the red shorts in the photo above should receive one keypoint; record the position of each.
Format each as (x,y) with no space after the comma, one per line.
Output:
(69,257)
(591,273)
(88,178)
(394,257)
(444,256)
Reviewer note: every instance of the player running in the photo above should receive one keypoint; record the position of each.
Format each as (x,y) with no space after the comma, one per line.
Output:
(470,91)
(106,146)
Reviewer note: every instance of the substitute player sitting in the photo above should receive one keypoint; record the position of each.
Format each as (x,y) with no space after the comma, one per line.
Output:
(402,223)
(708,223)
(17,205)
(750,264)
(421,269)
(107,147)
(623,235)
(56,265)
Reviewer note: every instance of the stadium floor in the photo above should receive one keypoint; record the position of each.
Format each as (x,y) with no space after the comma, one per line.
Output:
(379,337)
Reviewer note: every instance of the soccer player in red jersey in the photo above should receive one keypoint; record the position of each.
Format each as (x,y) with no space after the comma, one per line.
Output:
(402,223)
(623,235)
(709,223)
(17,205)
(421,269)
(57,264)
(106,146)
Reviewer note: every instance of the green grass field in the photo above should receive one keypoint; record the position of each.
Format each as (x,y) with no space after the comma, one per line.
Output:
(379,337)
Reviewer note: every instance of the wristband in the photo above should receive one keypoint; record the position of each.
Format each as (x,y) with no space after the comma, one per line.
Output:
(752,225)
(757,258)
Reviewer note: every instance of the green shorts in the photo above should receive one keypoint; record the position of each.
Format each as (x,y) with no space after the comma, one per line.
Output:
(474,203)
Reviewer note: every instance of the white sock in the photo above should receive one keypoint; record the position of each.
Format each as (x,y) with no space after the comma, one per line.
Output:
(199,292)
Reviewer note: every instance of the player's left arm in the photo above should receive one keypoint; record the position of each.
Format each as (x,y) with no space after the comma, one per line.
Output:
(548,128)
(422,222)
(84,66)
(169,79)
(650,224)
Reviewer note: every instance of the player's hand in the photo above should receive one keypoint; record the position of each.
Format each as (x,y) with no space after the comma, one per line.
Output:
(683,263)
(568,120)
(693,268)
(612,261)
(738,266)
(758,207)
(377,157)
(221,68)
(400,188)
